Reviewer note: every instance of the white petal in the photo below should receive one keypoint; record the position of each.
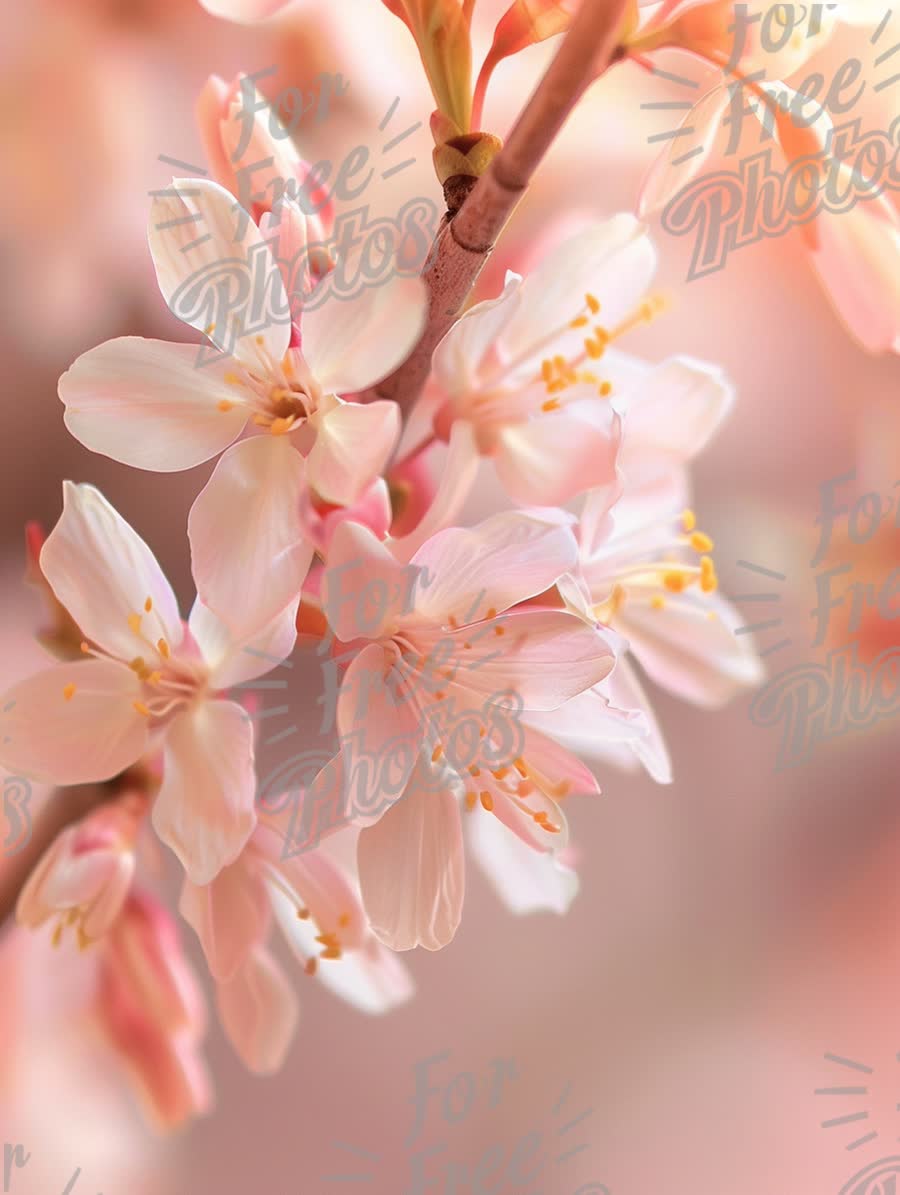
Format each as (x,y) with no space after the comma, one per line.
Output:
(92,734)
(103,573)
(353,343)
(614,261)
(150,404)
(204,810)
(248,551)
(353,444)
(232,661)
(527,881)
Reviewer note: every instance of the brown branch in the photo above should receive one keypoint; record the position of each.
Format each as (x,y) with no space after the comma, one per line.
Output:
(464,242)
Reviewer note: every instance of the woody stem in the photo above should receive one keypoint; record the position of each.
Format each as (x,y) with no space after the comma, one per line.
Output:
(464,242)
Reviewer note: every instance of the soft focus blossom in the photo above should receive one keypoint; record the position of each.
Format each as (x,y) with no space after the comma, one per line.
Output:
(85,876)
(153,1014)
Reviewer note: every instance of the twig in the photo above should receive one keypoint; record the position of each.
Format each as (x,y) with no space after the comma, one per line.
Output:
(464,243)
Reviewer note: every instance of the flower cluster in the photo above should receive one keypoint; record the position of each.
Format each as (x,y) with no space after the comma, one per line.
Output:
(348,522)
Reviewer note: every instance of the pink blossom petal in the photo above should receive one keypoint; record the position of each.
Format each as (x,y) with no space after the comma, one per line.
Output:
(546,657)
(73,724)
(673,412)
(231,660)
(695,656)
(204,810)
(353,445)
(259,1013)
(248,552)
(552,458)
(460,469)
(857,258)
(680,162)
(104,573)
(527,881)
(412,870)
(229,916)
(350,344)
(364,589)
(613,260)
(381,731)
(505,559)
(149,404)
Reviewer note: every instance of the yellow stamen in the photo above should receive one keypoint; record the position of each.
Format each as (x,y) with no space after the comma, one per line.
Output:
(551,404)
(69,692)
(233,380)
(471,800)
(141,708)
(134,621)
(163,648)
(593,304)
(688,520)
(281,425)
(487,801)
(580,322)
(605,389)
(658,602)
(148,604)
(224,405)
(701,542)
(674,582)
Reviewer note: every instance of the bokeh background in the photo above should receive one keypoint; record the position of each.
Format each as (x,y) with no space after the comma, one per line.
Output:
(732,929)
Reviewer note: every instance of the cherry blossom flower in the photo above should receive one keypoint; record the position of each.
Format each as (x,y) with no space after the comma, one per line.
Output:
(146,403)
(148,679)
(538,381)
(446,657)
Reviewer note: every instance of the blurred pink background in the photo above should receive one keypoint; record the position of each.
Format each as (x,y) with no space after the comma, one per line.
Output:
(731,929)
